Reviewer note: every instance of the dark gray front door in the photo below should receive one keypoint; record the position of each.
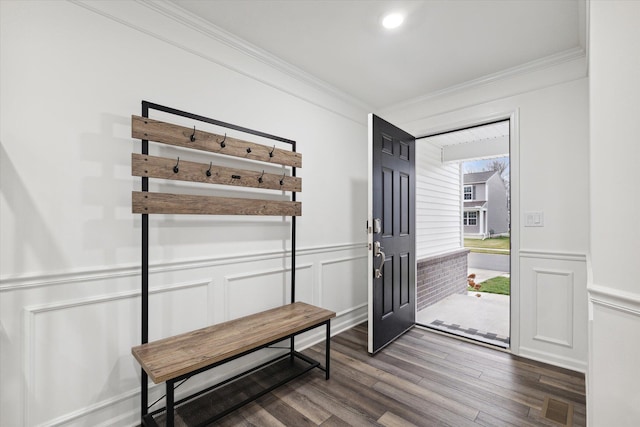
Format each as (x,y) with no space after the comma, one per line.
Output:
(391,226)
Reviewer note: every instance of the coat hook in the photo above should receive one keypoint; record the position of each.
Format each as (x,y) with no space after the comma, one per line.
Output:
(260,180)
(282,179)
(222,144)
(272,150)
(209,171)
(175,168)
(248,150)
(193,135)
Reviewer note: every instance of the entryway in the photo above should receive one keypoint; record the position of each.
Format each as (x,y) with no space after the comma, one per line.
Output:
(463,233)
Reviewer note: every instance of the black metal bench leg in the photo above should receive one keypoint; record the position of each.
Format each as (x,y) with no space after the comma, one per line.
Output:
(327,349)
(144,393)
(170,409)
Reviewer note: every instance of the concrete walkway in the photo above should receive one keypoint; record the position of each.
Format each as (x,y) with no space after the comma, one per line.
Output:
(484,318)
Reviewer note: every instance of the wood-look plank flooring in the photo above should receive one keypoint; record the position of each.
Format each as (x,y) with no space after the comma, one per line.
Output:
(422,379)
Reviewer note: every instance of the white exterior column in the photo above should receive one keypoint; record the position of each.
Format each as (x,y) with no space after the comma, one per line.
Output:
(481,220)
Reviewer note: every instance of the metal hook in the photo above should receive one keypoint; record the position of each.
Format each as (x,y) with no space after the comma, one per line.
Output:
(260,180)
(282,179)
(222,144)
(175,168)
(248,150)
(209,171)
(193,135)
(272,150)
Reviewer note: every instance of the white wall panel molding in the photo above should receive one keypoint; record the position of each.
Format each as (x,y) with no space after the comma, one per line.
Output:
(553,308)
(77,416)
(31,313)
(614,299)
(562,256)
(98,274)
(273,290)
(553,292)
(40,280)
(332,274)
(172,24)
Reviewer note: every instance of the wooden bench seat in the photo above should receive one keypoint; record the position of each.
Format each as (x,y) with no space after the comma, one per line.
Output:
(172,357)
(175,358)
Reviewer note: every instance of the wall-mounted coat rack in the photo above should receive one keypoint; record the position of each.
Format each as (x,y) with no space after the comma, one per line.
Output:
(177,358)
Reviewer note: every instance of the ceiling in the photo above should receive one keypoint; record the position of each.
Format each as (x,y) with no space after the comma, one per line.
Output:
(442,44)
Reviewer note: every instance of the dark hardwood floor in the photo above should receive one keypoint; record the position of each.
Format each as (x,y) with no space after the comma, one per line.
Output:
(421,379)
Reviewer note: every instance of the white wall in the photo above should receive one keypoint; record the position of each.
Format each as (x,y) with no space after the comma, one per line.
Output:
(550,173)
(614,295)
(71,76)
(438,228)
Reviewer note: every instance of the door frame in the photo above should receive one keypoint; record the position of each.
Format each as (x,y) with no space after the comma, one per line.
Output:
(514,164)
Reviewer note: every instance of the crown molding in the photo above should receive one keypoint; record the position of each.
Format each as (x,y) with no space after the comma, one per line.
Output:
(531,67)
(169,23)
(184,17)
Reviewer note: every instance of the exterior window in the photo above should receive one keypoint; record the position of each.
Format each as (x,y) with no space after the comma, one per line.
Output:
(468,192)
(471,218)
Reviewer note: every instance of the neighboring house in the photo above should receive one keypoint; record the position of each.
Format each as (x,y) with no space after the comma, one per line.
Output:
(484,198)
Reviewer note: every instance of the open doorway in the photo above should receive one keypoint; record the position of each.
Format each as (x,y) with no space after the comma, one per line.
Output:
(463,233)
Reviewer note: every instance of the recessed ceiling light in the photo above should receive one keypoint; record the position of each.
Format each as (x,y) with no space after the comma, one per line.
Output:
(392,20)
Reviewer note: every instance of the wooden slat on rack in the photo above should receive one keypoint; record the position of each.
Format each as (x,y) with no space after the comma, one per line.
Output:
(166,203)
(162,167)
(167,133)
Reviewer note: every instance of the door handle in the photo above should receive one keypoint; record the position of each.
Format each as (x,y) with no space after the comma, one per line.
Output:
(377,252)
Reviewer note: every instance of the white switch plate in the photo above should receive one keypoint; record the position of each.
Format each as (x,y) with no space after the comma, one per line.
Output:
(534,219)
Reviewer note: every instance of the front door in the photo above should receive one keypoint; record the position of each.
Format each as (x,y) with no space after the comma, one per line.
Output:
(391,233)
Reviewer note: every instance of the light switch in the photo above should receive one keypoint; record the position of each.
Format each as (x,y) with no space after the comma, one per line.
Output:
(534,219)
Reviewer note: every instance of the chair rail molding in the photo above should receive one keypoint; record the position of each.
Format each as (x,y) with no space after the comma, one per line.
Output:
(615,299)
(9,283)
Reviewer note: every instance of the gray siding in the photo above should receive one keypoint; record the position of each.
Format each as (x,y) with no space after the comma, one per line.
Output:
(497,210)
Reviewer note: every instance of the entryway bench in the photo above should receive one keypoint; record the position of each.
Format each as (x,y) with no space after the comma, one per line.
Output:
(176,358)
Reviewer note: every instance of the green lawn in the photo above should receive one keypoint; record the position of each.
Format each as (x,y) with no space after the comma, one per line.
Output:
(496,285)
(502,244)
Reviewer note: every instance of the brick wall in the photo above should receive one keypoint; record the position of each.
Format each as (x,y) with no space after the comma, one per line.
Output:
(440,276)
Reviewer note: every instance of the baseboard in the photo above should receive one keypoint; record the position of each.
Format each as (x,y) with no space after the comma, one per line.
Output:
(553,359)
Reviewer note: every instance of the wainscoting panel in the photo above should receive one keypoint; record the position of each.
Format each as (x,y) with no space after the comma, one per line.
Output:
(67,342)
(67,339)
(554,296)
(342,284)
(613,375)
(248,293)
(553,308)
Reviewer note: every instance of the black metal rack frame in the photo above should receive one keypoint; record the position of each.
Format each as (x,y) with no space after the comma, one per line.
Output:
(147,418)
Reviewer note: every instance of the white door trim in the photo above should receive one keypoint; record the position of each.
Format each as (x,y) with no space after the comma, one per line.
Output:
(514,164)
